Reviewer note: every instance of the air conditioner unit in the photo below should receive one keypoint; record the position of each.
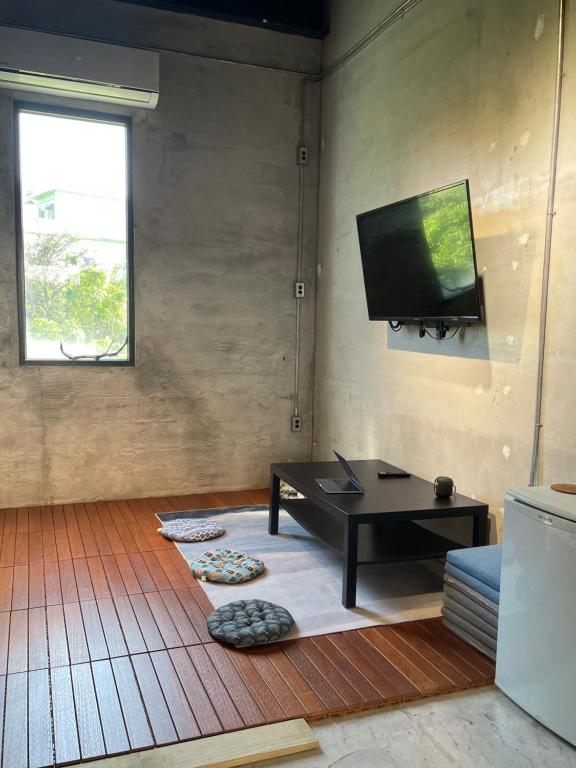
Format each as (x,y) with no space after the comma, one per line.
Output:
(80,69)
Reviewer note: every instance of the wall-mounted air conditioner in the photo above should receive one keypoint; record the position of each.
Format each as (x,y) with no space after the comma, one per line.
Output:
(77,68)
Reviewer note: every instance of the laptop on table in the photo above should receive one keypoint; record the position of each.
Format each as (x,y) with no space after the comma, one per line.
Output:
(349,484)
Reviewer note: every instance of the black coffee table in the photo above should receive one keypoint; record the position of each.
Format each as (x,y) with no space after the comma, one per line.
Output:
(375,527)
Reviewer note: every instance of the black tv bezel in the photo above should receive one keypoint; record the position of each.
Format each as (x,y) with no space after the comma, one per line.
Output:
(428,318)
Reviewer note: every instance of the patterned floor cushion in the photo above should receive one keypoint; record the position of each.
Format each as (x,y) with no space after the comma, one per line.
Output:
(249,622)
(226,565)
(191,530)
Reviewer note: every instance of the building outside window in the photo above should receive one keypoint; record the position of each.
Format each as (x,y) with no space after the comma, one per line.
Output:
(75,240)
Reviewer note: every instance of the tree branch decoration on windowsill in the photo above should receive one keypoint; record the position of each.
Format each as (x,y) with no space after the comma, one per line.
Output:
(94,357)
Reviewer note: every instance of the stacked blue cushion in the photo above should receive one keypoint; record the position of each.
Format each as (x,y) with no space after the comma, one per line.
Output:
(472,595)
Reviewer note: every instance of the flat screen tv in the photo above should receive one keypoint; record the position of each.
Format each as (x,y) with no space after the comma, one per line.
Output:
(419,260)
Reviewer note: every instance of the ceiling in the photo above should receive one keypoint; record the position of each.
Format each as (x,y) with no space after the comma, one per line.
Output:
(302,17)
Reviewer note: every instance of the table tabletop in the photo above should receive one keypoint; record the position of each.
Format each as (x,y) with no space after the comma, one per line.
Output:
(402,498)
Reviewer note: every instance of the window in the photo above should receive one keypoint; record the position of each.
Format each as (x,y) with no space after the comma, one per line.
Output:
(74,223)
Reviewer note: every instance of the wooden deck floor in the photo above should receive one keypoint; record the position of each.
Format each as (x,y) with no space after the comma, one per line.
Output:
(104,648)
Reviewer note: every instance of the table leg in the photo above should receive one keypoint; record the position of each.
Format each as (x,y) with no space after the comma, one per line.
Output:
(350,565)
(480,535)
(274,505)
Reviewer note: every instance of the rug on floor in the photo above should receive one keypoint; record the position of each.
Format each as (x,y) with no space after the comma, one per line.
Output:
(305,576)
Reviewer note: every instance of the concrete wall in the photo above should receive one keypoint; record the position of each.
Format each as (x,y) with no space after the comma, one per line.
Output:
(457,89)
(208,404)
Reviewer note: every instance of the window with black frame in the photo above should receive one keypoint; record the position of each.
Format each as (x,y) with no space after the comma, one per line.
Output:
(74,223)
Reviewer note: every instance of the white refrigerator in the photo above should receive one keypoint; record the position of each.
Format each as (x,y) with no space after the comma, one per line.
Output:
(536,651)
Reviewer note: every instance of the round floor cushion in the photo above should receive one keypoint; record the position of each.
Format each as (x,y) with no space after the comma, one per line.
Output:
(191,530)
(226,565)
(249,622)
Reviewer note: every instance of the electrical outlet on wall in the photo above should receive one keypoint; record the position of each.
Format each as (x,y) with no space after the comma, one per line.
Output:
(303,156)
(296,423)
(298,289)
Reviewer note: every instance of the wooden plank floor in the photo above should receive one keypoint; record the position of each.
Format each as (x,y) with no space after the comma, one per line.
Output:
(104,648)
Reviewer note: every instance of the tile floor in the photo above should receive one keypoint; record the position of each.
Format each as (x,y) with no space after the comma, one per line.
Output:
(475,729)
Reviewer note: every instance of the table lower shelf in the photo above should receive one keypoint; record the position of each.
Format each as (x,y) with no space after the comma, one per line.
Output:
(377,542)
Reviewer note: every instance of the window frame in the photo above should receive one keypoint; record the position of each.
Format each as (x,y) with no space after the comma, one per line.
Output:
(92,116)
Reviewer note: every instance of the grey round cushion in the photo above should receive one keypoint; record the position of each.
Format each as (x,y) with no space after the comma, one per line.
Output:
(191,530)
(249,622)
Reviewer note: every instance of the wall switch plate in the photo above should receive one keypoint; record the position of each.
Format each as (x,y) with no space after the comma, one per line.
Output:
(303,156)
(296,423)
(298,290)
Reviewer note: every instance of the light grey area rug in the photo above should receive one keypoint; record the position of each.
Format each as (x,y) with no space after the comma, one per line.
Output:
(305,576)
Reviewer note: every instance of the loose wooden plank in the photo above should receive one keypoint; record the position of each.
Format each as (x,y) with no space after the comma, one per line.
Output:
(137,726)
(40,745)
(182,716)
(158,714)
(66,746)
(113,728)
(15,747)
(267,742)
(87,714)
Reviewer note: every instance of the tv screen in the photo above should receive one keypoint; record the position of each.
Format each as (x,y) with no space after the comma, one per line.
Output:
(418,258)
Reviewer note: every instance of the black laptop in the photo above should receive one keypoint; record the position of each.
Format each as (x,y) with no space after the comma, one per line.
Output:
(349,484)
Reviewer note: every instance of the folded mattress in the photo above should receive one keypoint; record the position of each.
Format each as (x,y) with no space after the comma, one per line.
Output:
(471,581)
(471,629)
(470,639)
(490,625)
(481,563)
(458,590)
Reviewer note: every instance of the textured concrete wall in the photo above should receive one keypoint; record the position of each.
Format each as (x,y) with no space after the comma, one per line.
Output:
(458,89)
(208,404)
